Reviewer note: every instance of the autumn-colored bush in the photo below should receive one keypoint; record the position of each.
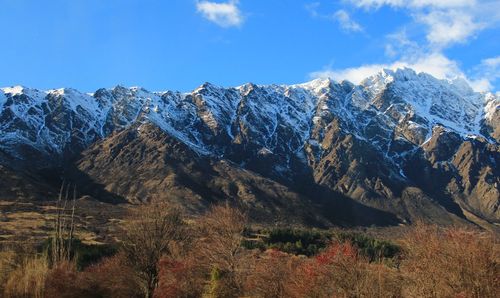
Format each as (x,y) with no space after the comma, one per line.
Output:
(112,277)
(64,281)
(341,271)
(180,278)
(163,256)
(451,263)
(271,274)
(109,278)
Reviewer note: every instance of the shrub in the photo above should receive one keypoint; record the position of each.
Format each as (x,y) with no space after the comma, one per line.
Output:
(341,271)
(180,278)
(271,274)
(451,262)
(112,277)
(109,278)
(64,281)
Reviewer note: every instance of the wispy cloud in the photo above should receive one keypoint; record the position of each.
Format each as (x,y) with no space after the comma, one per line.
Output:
(225,14)
(413,3)
(399,42)
(346,22)
(446,22)
(486,73)
(312,8)
(341,16)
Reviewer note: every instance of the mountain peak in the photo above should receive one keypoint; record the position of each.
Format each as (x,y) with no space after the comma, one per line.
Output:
(14,90)
(361,140)
(316,84)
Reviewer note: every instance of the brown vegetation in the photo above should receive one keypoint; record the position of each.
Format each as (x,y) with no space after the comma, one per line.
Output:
(28,279)
(451,262)
(163,256)
(152,232)
(220,252)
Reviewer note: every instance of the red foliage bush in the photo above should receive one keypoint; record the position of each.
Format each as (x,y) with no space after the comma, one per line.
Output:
(64,281)
(179,278)
(110,278)
(340,271)
(114,278)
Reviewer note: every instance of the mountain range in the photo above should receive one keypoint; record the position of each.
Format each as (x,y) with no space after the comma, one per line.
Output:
(400,147)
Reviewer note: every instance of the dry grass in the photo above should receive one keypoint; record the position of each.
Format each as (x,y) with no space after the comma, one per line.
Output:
(96,222)
(28,279)
(7,266)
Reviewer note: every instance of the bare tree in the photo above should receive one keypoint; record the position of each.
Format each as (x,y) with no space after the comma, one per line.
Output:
(152,231)
(219,245)
(63,237)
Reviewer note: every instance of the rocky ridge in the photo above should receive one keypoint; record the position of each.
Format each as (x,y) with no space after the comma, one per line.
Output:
(405,144)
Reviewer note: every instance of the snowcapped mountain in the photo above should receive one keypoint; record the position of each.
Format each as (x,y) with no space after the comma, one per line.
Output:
(381,143)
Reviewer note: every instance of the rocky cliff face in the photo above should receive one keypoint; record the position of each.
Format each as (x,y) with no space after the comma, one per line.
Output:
(398,147)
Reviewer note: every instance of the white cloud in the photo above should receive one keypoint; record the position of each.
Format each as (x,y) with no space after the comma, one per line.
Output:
(399,42)
(481,85)
(346,22)
(447,27)
(312,8)
(486,73)
(435,64)
(414,3)
(341,16)
(225,14)
(352,74)
(491,62)
(446,22)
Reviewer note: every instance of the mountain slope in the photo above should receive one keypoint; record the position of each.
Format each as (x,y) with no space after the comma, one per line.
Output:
(142,163)
(403,143)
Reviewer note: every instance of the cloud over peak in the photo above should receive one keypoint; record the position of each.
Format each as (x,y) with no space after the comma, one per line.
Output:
(435,64)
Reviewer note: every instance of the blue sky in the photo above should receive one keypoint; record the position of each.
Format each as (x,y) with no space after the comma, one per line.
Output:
(179,44)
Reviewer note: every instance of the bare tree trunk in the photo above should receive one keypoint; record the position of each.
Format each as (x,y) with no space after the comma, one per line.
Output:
(62,240)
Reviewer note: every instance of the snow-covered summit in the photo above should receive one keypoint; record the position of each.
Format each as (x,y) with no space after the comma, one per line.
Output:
(282,119)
